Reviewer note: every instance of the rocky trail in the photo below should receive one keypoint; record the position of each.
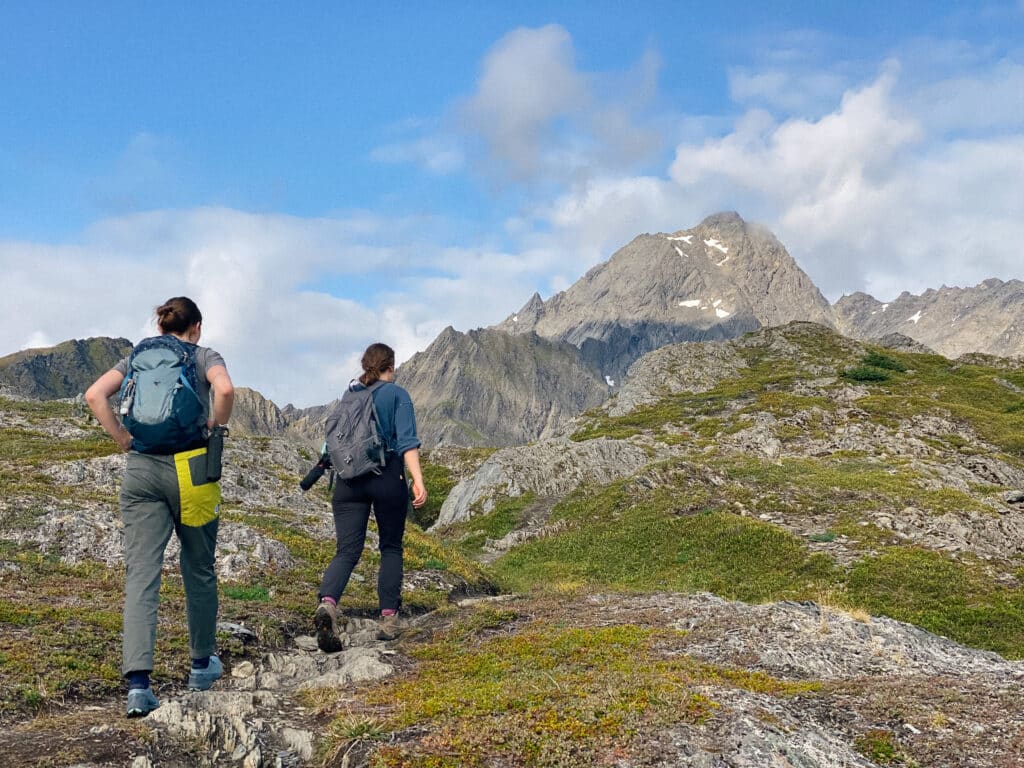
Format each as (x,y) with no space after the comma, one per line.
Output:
(791,684)
(253,717)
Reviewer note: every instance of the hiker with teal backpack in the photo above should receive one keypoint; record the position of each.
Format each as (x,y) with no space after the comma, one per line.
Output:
(173,438)
(371,444)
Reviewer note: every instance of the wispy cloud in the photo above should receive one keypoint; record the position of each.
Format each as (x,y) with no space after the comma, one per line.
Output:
(434,153)
(535,117)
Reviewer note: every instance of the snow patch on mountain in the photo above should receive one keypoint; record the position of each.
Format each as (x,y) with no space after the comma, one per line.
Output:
(713,243)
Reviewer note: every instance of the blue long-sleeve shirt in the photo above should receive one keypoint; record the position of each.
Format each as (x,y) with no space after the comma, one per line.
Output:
(396,417)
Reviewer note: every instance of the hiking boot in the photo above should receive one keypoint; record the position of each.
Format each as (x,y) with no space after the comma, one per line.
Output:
(202,679)
(328,639)
(141,701)
(389,627)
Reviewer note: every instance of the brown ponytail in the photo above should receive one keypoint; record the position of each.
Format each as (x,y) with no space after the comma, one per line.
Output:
(177,315)
(376,359)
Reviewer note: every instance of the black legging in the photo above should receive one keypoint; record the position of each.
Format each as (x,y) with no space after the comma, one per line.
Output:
(388,494)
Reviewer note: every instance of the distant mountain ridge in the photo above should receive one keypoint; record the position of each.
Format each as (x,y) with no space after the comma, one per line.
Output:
(715,281)
(988,318)
(487,387)
(65,370)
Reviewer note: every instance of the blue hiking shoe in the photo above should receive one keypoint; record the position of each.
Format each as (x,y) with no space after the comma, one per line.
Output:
(141,701)
(202,679)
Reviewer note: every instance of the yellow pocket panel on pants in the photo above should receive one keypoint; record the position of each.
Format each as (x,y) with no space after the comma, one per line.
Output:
(200,500)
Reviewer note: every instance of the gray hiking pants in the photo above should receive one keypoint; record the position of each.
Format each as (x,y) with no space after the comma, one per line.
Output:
(161,494)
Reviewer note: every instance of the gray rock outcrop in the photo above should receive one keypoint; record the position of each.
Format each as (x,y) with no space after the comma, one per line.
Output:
(549,468)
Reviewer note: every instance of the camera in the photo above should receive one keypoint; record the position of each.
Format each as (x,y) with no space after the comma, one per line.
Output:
(323,465)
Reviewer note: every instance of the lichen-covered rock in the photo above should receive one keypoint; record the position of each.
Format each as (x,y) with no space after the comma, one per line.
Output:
(551,468)
(695,367)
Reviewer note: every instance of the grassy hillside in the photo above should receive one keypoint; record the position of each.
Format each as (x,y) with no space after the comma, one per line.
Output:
(60,611)
(813,474)
(869,481)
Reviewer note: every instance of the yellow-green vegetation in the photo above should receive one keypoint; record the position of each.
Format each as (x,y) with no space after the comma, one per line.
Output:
(879,746)
(37,410)
(841,483)
(683,539)
(957,599)
(546,694)
(501,520)
(689,408)
(61,627)
(32,447)
(971,393)
(439,481)
(901,384)
(666,539)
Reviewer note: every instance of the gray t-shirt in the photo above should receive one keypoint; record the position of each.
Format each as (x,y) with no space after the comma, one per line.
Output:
(206,359)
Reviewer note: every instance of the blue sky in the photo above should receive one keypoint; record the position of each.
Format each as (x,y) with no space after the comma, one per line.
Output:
(320,175)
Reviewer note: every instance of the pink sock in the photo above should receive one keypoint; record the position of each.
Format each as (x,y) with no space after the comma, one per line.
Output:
(388,612)
(330,600)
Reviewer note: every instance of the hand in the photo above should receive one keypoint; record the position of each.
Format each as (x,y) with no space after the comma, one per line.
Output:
(124,440)
(419,494)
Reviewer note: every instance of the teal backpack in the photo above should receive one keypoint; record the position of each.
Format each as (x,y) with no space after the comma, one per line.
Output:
(159,401)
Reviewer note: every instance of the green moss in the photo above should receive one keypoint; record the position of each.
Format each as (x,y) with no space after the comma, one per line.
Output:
(38,410)
(503,518)
(658,543)
(688,408)
(39,664)
(866,373)
(439,481)
(844,482)
(879,746)
(971,393)
(249,593)
(27,446)
(881,360)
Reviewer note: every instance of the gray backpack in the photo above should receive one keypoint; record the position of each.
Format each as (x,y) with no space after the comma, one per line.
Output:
(353,442)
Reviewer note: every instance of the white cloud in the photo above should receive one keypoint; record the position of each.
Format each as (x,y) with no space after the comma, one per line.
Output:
(868,197)
(529,80)
(992,98)
(864,186)
(540,118)
(277,292)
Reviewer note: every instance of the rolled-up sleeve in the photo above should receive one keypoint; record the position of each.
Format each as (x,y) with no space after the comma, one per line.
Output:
(405,423)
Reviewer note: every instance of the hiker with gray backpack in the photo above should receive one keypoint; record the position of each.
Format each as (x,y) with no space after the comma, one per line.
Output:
(174,438)
(371,444)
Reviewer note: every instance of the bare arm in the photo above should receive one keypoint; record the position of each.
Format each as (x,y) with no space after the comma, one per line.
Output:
(412,466)
(223,394)
(98,397)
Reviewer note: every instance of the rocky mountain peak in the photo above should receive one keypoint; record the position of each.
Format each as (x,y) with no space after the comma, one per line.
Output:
(716,280)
